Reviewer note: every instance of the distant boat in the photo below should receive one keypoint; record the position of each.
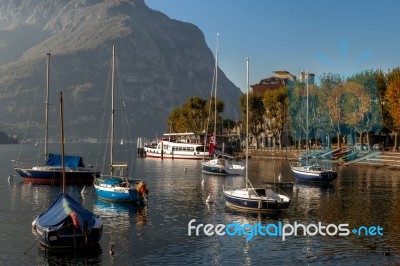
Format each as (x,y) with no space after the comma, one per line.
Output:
(122,142)
(220,164)
(50,172)
(118,186)
(66,224)
(311,172)
(254,198)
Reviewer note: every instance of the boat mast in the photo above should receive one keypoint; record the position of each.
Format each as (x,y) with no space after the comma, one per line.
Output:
(62,142)
(215,91)
(47,107)
(112,111)
(307,121)
(247,120)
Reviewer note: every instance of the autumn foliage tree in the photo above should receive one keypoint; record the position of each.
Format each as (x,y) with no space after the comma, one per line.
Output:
(276,111)
(393,101)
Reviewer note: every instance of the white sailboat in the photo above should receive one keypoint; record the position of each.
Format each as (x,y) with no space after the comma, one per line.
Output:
(249,197)
(311,172)
(221,164)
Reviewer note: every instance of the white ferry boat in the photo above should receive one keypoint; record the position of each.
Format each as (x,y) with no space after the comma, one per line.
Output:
(177,150)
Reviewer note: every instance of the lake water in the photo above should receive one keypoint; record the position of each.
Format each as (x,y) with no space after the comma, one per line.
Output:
(158,234)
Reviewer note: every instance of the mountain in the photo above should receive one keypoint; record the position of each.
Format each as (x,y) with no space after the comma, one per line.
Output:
(161,63)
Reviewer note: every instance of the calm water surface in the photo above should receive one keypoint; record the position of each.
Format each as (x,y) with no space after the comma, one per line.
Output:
(158,234)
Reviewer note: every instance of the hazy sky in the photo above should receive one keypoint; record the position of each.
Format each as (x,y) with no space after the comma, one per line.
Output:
(337,36)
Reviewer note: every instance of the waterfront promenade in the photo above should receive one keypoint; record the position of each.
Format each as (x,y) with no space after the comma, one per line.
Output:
(389,159)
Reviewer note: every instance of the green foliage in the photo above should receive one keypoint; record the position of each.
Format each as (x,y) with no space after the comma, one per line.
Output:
(194,116)
(256,114)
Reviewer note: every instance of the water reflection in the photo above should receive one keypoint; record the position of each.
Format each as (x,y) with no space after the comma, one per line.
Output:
(120,216)
(92,256)
(158,233)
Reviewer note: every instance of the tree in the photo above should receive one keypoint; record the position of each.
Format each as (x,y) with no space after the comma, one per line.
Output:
(194,116)
(356,107)
(191,117)
(329,98)
(393,101)
(276,111)
(370,115)
(175,121)
(335,111)
(256,114)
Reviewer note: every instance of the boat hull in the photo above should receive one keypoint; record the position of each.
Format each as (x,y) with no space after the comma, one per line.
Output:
(221,170)
(118,192)
(305,175)
(256,203)
(174,156)
(54,177)
(214,170)
(62,238)
(222,166)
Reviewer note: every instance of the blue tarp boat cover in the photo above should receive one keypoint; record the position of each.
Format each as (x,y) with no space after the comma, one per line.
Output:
(70,161)
(61,209)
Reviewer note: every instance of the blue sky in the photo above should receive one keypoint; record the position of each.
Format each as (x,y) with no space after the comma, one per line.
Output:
(338,36)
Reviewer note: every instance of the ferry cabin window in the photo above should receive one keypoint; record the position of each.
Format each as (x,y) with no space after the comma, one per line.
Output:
(200,149)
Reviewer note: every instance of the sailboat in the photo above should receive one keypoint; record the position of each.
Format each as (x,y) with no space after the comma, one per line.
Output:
(311,172)
(221,164)
(249,197)
(51,171)
(66,223)
(118,186)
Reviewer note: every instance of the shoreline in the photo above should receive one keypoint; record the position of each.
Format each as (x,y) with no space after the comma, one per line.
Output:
(387,159)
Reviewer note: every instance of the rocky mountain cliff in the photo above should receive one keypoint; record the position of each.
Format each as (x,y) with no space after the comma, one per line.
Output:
(161,63)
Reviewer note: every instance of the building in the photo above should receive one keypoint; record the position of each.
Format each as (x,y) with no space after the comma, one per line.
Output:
(305,76)
(279,79)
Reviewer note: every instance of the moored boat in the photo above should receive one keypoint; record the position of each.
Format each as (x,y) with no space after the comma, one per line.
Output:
(66,223)
(311,171)
(223,165)
(254,198)
(50,171)
(118,186)
(177,150)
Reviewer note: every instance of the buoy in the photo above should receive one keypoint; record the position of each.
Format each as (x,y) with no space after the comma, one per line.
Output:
(10,178)
(280,177)
(202,182)
(111,250)
(210,199)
